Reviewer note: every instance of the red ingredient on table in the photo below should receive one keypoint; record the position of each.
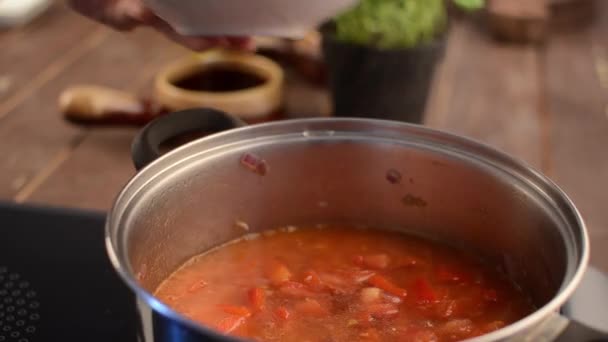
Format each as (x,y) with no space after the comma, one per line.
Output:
(366,286)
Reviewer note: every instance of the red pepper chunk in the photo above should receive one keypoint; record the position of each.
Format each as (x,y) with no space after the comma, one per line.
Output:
(257,298)
(235,310)
(388,286)
(230,324)
(424,292)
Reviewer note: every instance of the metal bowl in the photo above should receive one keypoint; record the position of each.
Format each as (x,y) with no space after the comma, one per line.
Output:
(280,18)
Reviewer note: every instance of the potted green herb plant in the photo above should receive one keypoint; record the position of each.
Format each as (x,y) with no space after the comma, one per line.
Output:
(381,56)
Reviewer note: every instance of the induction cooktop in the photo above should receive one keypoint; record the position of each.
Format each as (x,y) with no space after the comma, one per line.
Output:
(57,284)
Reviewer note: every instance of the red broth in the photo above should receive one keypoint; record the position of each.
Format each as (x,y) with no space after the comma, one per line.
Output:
(339,284)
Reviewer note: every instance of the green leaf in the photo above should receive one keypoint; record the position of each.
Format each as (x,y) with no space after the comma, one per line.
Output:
(390,24)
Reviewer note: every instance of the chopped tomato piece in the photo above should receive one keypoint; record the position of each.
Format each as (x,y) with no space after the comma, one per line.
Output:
(387,285)
(230,324)
(197,286)
(295,289)
(278,273)
(376,261)
(424,292)
(311,307)
(282,313)
(235,310)
(257,298)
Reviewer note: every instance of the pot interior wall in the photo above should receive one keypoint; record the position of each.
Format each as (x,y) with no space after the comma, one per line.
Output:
(443,194)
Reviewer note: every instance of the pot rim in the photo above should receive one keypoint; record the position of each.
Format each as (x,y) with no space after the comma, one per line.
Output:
(461,143)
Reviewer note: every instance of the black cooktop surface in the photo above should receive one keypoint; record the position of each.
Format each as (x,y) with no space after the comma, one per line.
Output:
(56,283)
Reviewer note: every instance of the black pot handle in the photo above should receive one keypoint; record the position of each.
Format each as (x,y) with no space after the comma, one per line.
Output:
(579,332)
(146,145)
(559,328)
(587,310)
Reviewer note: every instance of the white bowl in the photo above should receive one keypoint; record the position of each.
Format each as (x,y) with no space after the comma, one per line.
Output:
(280,18)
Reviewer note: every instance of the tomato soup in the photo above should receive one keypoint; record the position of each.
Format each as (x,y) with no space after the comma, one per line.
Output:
(343,284)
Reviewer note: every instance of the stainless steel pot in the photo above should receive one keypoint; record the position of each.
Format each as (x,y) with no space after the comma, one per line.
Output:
(335,170)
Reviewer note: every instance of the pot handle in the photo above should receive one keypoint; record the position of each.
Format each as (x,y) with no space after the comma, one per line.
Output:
(576,331)
(147,143)
(558,328)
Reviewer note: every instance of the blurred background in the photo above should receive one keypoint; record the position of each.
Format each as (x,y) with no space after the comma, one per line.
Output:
(527,77)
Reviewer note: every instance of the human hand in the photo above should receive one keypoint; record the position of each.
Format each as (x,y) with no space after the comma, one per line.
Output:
(125,15)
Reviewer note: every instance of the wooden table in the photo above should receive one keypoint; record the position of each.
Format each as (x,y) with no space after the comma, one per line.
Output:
(547,105)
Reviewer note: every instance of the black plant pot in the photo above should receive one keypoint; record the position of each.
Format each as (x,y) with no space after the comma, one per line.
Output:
(384,84)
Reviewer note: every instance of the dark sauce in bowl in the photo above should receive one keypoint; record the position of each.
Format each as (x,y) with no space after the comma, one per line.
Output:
(219,78)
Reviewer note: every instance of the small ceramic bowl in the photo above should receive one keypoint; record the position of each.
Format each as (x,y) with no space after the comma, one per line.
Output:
(253,104)
(280,18)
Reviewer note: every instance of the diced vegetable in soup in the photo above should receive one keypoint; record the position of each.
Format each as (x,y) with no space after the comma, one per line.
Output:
(340,284)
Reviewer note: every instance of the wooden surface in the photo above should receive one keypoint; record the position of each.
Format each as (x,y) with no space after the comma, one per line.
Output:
(547,105)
